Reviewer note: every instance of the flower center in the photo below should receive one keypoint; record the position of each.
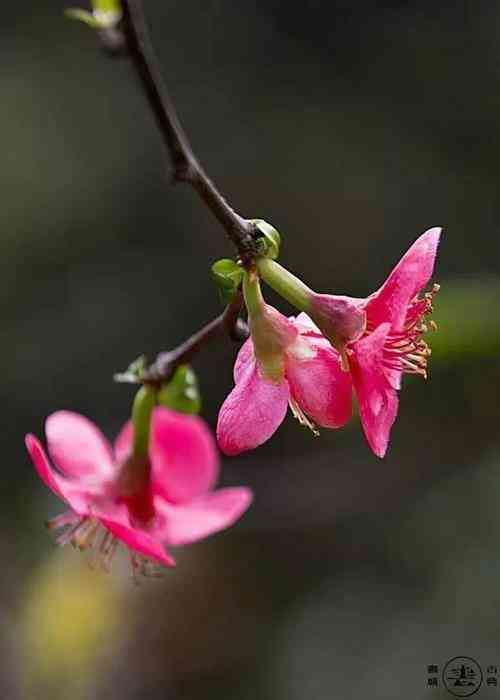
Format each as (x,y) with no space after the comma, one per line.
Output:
(406,351)
(84,532)
(299,414)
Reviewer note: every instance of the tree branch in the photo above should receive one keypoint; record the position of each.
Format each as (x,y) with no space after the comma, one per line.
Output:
(227,323)
(186,166)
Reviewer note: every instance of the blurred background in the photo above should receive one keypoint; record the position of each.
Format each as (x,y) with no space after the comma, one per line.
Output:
(352,126)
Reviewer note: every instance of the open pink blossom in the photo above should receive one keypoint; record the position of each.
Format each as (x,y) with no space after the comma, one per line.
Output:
(166,498)
(277,367)
(386,336)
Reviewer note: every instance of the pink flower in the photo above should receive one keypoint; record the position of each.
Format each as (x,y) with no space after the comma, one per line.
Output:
(381,336)
(165,498)
(280,366)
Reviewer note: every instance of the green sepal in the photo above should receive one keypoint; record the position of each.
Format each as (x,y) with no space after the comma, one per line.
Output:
(181,393)
(142,408)
(227,275)
(269,241)
(133,373)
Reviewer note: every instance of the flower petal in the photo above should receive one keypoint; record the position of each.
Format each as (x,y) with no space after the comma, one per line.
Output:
(252,412)
(62,487)
(184,460)
(411,274)
(305,324)
(320,386)
(377,399)
(245,356)
(140,541)
(77,446)
(122,447)
(210,513)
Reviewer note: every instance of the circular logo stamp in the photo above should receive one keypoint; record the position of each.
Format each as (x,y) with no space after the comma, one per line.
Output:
(462,676)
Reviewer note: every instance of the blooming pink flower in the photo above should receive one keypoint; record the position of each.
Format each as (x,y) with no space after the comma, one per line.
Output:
(385,339)
(277,367)
(166,498)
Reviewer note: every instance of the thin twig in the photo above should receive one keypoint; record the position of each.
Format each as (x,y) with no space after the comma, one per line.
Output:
(226,323)
(186,167)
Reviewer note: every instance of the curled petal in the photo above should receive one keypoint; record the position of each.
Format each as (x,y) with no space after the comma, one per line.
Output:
(184,461)
(140,541)
(210,513)
(377,399)
(252,412)
(411,274)
(77,447)
(62,487)
(320,386)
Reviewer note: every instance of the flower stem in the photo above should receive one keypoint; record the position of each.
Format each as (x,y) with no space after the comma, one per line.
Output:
(285,284)
(254,300)
(144,402)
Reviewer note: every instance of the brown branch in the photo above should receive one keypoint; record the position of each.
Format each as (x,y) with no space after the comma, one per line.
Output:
(227,323)
(187,169)
(131,38)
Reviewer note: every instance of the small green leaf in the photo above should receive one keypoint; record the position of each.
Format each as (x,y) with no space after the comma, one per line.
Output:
(105,14)
(82,16)
(133,373)
(182,392)
(228,276)
(269,240)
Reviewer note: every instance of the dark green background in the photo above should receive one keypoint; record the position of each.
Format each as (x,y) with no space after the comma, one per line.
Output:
(352,127)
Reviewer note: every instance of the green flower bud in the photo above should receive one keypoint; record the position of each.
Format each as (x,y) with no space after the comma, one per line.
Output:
(182,392)
(269,240)
(227,275)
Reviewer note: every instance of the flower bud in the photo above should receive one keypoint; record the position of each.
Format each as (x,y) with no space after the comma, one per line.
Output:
(269,240)
(181,393)
(227,275)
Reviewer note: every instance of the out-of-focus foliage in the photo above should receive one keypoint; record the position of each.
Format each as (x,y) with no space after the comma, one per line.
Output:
(468,315)
(71,617)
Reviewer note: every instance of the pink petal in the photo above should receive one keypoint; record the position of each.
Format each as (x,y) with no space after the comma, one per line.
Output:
(62,487)
(320,386)
(210,513)
(305,324)
(140,542)
(77,446)
(123,444)
(252,412)
(245,356)
(411,274)
(378,401)
(184,460)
